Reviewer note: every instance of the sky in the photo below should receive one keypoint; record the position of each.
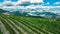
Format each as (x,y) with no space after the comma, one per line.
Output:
(46,2)
(13,5)
(52,2)
(11,0)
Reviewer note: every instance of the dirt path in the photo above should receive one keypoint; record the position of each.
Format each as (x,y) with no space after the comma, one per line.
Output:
(11,26)
(17,26)
(25,27)
(3,28)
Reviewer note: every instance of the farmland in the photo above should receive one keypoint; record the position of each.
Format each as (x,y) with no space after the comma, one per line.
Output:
(28,25)
(1,31)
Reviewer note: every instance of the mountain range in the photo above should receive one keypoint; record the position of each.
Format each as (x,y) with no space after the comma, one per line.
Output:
(39,14)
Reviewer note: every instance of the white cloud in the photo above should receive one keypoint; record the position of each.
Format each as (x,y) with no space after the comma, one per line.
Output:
(14,5)
(24,0)
(57,3)
(48,3)
(36,1)
(1,4)
(7,3)
(13,8)
(21,2)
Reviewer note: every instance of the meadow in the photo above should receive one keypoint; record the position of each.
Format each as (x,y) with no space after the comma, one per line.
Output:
(29,25)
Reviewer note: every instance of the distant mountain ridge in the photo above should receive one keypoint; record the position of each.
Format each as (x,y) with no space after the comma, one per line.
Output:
(3,11)
(39,14)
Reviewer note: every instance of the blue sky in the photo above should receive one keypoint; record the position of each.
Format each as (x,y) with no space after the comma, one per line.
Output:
(51,1)
(11,0)
(46,2)
(14,0)
(1,0)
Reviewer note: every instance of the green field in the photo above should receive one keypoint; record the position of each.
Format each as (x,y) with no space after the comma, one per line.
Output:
(29,25)
(1,31)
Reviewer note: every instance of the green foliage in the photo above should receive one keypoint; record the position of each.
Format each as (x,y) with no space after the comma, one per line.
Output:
(31,25)
(1,31)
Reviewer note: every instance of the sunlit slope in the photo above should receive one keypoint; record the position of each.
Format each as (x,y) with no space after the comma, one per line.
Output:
(29,25)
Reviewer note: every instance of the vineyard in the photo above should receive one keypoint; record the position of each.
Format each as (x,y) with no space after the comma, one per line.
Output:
(10,24)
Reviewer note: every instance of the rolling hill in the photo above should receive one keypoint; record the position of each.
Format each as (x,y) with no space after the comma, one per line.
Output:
(28,25)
